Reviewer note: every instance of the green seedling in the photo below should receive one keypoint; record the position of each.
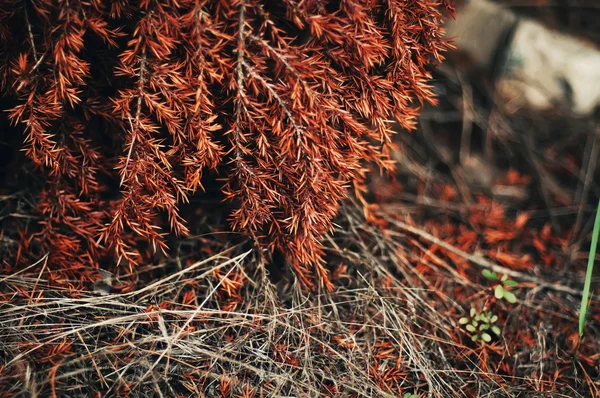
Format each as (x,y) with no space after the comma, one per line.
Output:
(410,395)
(479,325)
(501,291)
(585,297)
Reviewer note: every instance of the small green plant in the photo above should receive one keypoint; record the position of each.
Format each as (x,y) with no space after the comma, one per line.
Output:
(501,289)
(479,324)
(583,309)
(410,395)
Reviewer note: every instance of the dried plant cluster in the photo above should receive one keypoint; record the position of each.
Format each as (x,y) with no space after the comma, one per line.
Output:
(291,100)
(219,327)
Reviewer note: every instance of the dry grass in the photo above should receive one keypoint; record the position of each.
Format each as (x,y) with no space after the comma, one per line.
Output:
(222,327)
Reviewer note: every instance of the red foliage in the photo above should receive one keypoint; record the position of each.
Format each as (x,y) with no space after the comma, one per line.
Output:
(294,99)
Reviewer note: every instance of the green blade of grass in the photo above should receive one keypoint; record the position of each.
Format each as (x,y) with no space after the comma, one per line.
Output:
(588,276)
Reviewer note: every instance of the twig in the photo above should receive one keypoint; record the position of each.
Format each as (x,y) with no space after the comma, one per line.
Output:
(482,262)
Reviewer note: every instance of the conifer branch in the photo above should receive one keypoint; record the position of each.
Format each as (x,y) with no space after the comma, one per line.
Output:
(292,99)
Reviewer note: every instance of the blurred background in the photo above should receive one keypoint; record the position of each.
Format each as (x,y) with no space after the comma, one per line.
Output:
(519,95)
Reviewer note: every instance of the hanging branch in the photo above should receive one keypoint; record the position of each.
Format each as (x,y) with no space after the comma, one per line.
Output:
(48,78)
(293,99)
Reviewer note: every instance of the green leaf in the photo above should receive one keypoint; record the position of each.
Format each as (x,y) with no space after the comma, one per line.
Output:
(475,323)
(496,330)
(485,326)
(484,318)
(494,318)
(489,275)
(472,312)
(470,328)
(498,291)
(478,317)
(486,337)
(510,297)
(585,297)
(463,320)
(510,283)
(504,277)
(474,338)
